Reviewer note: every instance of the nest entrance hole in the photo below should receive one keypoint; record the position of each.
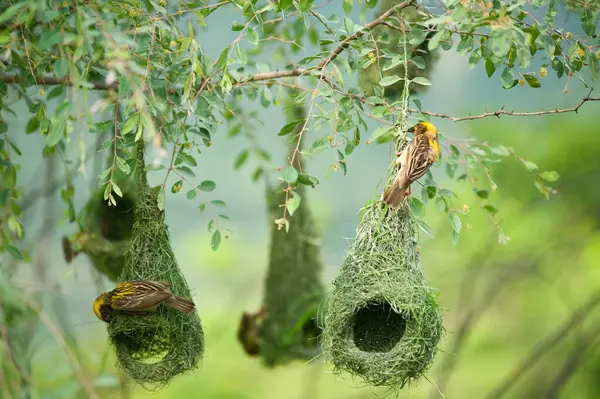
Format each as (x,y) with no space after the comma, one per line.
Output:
(377,327)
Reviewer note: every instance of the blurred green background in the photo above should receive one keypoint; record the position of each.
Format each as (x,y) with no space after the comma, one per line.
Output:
(501,301)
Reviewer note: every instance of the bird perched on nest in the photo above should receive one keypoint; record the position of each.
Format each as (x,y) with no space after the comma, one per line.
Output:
(248,331)
(414,161)
(139,296)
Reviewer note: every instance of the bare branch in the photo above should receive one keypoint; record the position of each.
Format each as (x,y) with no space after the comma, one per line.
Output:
(53,81)
(544,345)
(511,113)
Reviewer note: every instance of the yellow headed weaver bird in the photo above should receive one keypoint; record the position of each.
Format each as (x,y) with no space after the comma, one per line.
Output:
(414,161)
(139,296)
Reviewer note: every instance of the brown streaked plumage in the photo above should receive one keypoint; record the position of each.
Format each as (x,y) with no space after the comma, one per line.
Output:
(414,161)
(139,296)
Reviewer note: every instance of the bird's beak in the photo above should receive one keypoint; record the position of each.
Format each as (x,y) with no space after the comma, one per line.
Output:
(411,129)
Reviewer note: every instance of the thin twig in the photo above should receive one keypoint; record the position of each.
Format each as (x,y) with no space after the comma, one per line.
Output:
(543,346)
(501,111)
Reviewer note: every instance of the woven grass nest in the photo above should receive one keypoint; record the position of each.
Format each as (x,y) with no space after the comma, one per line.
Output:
(154,348)
(382,322)
(293,288)
(104,231)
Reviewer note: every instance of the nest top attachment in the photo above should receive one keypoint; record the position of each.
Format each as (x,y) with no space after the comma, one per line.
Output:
(153,348)
(383,323)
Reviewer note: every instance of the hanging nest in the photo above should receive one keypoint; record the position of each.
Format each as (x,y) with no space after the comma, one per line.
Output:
(293,289)
(287,328)
(382,322)
(154,348)
(104,230)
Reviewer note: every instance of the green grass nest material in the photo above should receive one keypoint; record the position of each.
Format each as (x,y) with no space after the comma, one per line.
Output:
(104,231)
(382,322)
(293,288)
(154,348)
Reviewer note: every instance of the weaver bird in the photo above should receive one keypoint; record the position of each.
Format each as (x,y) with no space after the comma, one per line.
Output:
(248,331)
(139,296)
(414,161)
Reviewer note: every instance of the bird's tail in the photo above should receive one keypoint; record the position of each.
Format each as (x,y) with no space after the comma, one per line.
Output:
(181,304)
(395,193)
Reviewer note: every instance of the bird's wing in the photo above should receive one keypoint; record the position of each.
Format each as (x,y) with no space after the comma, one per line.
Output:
(143,295)
(418,159)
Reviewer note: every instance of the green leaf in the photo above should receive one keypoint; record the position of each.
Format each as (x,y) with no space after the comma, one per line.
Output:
(186,158)
(177,186)
(9,178)
(508,78)
(420,80)
(130,124)
(378,132)
(425,228)
(160,199)
(484,194)
(289,127)
(389,80)
(499,149)
(347,5)
(290,175)
(293,203)
(550,176)
(122,165)
(207,186)
(434,42)
(455,222)
(12,11)
(241,159)
(265,97)
(532,81)
(419,62)
(490,209)
(57,131)
(215,241)
(529,165)
(191,194)
(308,180)
(417,207)
(32,125)
(49,39)
(455,237)
(252,35)
(117,189)
(222,60)
(490,68)
(15,252)
(218,203)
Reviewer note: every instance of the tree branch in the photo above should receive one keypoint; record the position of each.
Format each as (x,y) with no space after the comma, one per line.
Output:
(370,26)
(544,345)
(53,81)
(501,111)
